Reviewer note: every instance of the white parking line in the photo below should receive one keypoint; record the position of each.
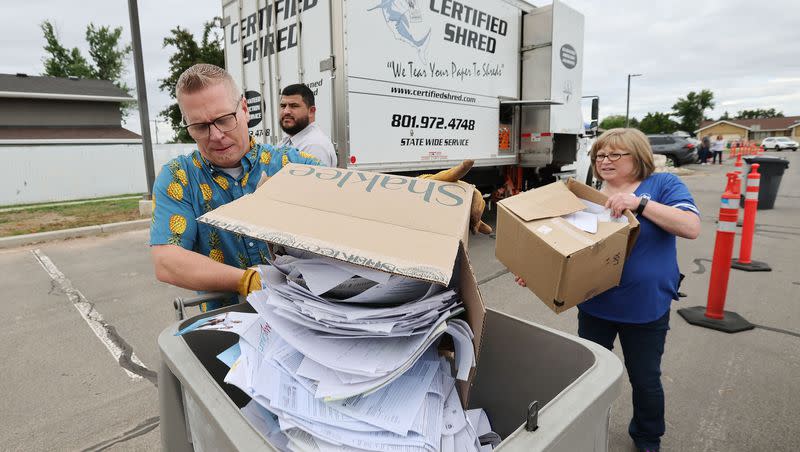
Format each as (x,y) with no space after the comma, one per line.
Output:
(87,311)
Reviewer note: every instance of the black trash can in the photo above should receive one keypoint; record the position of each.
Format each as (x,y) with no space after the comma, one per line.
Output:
(771,170)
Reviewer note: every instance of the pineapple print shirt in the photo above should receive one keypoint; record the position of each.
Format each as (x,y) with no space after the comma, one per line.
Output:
(189,186)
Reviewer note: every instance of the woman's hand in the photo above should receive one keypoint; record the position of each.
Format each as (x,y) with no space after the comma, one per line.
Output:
(520,281)
(621,201)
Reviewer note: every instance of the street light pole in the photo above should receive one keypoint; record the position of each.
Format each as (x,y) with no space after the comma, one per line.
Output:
(628,102)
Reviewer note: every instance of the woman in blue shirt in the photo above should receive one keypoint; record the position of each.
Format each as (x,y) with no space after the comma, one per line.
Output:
(638,309)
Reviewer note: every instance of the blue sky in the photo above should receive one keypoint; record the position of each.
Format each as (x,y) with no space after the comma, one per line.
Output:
(745,52)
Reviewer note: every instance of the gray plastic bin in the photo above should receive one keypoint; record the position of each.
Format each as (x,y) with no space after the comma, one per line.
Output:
(771,170)
(573,380)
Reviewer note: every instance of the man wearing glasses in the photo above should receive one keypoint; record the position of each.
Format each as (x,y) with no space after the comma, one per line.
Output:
(226,165)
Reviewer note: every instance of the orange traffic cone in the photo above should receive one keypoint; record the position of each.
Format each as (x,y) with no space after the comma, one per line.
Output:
(714,315)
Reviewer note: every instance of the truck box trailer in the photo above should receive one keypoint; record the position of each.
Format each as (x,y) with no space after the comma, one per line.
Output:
(407,86)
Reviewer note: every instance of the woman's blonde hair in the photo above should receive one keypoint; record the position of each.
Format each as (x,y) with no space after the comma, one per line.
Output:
(630,140)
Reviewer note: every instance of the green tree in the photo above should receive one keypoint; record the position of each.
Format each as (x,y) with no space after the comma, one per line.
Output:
(616,121)
(759,114)
(108,57)
(725,116)
(690,109)
(62,62)
(658,123)
(187,53)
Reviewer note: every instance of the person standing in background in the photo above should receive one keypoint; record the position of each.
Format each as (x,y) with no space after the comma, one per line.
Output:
(705,149)
(716,148)
(298,115)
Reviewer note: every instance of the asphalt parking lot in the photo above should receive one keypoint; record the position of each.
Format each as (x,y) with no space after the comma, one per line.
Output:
(83,315)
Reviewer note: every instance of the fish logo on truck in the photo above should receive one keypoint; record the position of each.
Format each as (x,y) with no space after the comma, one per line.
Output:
(465,25)
(405,22)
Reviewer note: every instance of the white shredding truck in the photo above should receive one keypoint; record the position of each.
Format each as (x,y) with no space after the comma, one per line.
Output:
(409,86)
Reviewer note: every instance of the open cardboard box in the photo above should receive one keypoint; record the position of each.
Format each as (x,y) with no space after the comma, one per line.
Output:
(401,225)
(561,264)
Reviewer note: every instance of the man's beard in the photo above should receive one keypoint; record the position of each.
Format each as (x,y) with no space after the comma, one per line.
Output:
(299,125)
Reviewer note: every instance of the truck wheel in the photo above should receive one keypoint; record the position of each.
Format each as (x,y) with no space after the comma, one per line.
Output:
(777,149)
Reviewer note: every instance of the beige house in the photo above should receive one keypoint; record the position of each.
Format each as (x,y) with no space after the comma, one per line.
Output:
(751,129)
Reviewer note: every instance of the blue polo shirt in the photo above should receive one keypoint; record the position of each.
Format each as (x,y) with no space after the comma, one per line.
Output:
(650,276)
(189,186)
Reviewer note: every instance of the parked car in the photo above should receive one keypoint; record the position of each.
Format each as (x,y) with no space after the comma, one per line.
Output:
(779,143)
(694,141)
(678,150)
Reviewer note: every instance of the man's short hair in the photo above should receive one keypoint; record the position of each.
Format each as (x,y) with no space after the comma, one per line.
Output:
(201,76)
(301,89)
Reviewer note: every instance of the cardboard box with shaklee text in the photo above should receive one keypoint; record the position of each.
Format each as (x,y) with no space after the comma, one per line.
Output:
(401,225)
(561,264)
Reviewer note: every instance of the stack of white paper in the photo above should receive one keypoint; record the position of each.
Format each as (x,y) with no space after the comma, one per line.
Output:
(587,219)
(360,315)
(343,358)
(418,411)
(359,343)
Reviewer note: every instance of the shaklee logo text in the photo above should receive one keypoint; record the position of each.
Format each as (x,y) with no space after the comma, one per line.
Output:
(445,194)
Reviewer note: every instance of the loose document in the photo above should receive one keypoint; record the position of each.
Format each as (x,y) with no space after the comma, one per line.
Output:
(587,219)
(341,358)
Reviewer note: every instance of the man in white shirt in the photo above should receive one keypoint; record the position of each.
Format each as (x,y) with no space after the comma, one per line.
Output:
(297,112)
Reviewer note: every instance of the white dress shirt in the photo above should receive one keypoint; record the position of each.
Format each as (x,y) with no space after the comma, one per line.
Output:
(313,141)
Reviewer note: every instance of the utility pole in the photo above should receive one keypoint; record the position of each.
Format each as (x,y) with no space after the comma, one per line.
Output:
(156,121)
(141,90)
(628,103)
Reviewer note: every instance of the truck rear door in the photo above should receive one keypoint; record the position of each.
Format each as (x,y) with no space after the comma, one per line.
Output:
(272,44)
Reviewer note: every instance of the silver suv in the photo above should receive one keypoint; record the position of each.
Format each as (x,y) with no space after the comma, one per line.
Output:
(678,150)
(779,143)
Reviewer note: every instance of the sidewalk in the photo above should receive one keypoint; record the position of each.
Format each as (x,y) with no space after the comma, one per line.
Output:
(64,234)
(34,223)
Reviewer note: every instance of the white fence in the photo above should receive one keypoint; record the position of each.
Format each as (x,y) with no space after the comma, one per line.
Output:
(33,174)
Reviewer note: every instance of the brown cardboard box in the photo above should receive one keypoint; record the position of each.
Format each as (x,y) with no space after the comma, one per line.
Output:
(561,264)
(401,225)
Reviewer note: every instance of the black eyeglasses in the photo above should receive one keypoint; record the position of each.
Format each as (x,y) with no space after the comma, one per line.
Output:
(612,157)
(224,123)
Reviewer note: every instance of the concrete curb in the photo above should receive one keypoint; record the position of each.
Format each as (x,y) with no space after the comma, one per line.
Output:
(86,231)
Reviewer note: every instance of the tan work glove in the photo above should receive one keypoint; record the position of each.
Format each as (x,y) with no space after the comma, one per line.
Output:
(454,174)
(250,282)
